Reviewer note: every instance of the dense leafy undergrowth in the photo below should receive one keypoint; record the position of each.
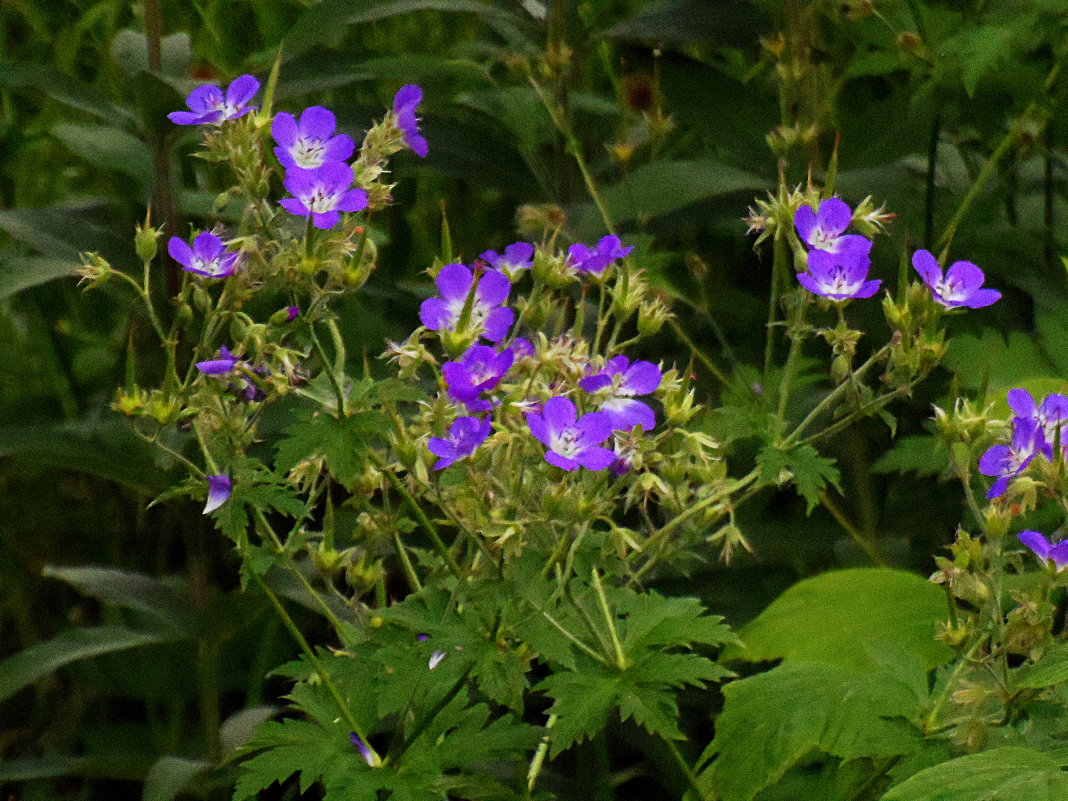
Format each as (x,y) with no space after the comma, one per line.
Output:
(557,399)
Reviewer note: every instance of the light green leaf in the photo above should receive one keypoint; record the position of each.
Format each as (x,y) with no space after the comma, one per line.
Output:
(169,775)
(52,83)
(1051,669)
(771,721)
(109,147)
(22,272)
(923,454)
(1000,774)
(39,660)
(840,616)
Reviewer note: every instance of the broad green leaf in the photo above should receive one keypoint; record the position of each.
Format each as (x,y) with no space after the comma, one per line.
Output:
(315,72)
(1051,669)
(342,441)
(839,616)
(995,361)
(1000,774)
(169,775)
(66,230)
(292,746)
(109,147)
(328,20)
(709,22)
(239,728)
(772,720)
(163,603)
(39,660)
(48,81)
(666,186)
(25,770)
(22,272)
(129,49)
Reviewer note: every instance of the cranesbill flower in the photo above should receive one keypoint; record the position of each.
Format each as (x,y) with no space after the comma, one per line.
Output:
(322,193)
(572,442)
(309,143)
(218,492)
(1044,549)
(487,316)
(618,383)
(1051,415)
(208,105)
(1008,461)
(824,228)
(583,259)
(466,434)
(960,286)
(404,103)
(224,364)
(838,276)
(208,256)
(517,257)
(480,369)
(291,313)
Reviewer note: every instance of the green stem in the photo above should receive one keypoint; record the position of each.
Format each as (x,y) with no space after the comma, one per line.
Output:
(778,271)
(936,710)
(406,563)
(328,368)
(865,545)
(602,600)
(539,756)
(701,357)
(313,659)
(687,771)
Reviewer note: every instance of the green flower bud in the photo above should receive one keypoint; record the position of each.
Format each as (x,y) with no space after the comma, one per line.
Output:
(146,242)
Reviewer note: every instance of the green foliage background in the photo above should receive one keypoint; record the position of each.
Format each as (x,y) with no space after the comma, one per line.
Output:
(672,103)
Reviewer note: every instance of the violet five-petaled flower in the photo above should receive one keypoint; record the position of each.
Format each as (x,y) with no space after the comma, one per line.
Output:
(960,286)
(480,369)
(208,105)
(584,259)
(1044,549)
(487,317)
(1051,415)
(404,103)
(309,143)
(1008,461)
(617,384)
(218,492)
(572,442)
(207,257)
(322,193)
(224,364)
(466,434)
(824,229)
(516,257)
(839,276)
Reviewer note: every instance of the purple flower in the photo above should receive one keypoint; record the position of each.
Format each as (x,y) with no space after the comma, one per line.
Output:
(838,276)
(207,105)
(1045,550)
(218,492)
(959,287)
(522,348)
(208,256)
(619,382)
(454,284)
(466,434)
(311,142)
(1008,461)
(1050,416)
(291,313)
(224,364)
(584,259)
(322,192)
(404,103)
(572,443)
(479,369)
(517,257)
(823,229)
(363,750)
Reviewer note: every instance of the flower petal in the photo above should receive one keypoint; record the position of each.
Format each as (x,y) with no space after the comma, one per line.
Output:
(804,222)
(967,276)
(1021,403)
(559,413)
(1038,544)
(434,314)
(493,288)
(180,251)
(982,297)
(284,129)
(641,378)
(317,122)
(339,148)
(218,492)
(325,220)
(453,281)
(241,90)
(595,458)
(833,215)
(497,324)
(556,460)
(927,266)
(407,97)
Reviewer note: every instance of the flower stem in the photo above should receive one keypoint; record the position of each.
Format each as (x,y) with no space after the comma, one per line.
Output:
(602,600)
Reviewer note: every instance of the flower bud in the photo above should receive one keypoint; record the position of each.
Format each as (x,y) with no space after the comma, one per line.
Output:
(652,314)
(163,408)
(129,403)
(146,241)
(95,270)
(183,315)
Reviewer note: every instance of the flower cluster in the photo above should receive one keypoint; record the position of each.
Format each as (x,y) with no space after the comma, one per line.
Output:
(1036,428)
(838,263)
(471,306)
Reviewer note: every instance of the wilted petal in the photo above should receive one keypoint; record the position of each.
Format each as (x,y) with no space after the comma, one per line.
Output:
(218,492)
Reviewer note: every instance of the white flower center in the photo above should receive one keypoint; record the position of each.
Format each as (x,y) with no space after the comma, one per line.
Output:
(320,202)
(824,240)
(308,153)
(564,443)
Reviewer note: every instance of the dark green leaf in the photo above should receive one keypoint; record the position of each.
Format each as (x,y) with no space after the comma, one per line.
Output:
(169,775)
(923,454)
(803,466)
(22,272)
(341,441)
(109,147)
(52,83)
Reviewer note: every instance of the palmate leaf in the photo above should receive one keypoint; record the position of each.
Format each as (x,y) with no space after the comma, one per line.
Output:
(802,465)
(342,441)
(654,620)
(1000,774)
(288,747)
(772,720)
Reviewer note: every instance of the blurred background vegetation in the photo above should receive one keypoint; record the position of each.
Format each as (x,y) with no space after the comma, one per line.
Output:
(683,110)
